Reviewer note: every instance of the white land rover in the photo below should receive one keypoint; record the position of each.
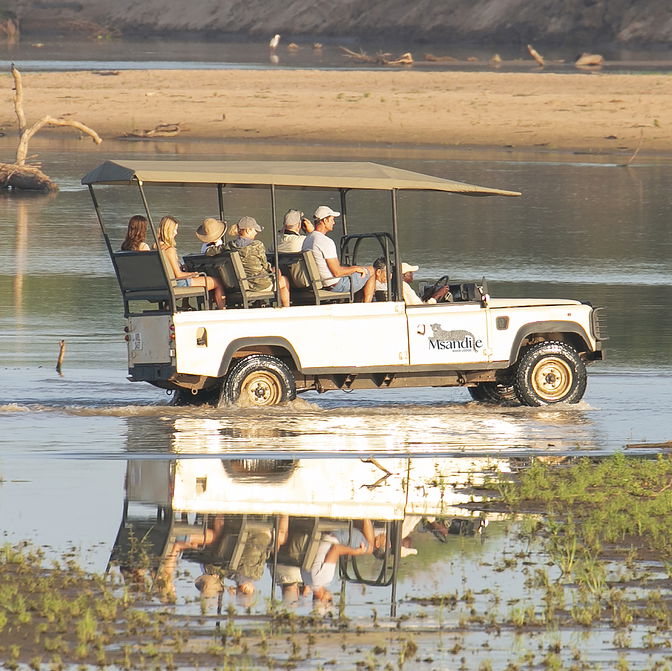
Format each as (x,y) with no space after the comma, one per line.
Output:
(257,353)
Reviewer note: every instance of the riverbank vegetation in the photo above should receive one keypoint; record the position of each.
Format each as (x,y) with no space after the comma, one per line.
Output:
(601,502)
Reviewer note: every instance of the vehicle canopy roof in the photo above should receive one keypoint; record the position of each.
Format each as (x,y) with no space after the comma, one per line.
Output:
(288,174)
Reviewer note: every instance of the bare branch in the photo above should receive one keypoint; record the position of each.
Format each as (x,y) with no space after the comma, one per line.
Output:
(22,149)
(18,99)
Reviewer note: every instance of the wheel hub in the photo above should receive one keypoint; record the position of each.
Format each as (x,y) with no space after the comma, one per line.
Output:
(262,388)
(552,378)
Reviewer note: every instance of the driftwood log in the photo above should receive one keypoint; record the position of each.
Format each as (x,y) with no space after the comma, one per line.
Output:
(19,175)
(586,60)
(161,130)
(379,59)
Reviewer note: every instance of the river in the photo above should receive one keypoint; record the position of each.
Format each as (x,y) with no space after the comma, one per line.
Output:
(73,445)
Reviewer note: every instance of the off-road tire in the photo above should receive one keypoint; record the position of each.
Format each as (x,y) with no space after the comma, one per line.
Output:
(550,372)
(493,392)
(258,380)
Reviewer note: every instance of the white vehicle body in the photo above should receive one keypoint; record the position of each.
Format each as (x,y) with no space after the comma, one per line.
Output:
(535,347)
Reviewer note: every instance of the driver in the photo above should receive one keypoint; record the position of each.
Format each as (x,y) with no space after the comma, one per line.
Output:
(407,270)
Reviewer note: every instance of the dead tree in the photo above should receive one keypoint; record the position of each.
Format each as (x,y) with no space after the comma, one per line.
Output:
(19,175)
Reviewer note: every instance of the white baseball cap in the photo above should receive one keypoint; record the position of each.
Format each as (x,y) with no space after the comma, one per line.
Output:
(323,211)
(408,268)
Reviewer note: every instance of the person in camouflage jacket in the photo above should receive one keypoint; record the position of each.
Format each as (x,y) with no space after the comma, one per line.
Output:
(253,256)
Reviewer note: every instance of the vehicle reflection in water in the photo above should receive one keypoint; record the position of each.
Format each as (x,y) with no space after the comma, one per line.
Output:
(239,527)
(450,430)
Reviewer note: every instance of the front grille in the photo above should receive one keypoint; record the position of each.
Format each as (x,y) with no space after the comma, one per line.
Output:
(599,324)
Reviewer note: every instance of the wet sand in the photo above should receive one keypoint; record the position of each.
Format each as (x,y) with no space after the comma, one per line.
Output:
(578,111)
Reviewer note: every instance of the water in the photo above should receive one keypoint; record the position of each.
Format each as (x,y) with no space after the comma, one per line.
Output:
(75,53)
(83,453)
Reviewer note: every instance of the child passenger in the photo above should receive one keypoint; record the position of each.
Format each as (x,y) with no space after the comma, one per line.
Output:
(253,256)
(167,232)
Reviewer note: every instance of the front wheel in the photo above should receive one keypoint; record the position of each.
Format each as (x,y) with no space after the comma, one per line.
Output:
(258,380)
(492,392)
(550,372)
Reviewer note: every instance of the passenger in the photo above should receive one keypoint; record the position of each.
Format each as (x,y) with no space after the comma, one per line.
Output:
(135,235)
(407,270)
(211,234)
(167,232)
(291,239)
(336,277)
(380,273)
(253,256)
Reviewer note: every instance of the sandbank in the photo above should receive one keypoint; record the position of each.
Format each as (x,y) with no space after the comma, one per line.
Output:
(579,111)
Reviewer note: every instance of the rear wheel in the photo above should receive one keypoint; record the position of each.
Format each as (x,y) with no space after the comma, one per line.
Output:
(550,372)
(492,392)
(258,380)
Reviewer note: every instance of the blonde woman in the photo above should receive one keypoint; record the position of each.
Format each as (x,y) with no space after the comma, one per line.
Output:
(167,232)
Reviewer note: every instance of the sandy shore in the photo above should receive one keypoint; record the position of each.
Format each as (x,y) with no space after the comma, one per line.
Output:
(602,112)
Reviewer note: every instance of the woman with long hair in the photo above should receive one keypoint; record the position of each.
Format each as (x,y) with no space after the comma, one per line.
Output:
(167,231)
(135,235)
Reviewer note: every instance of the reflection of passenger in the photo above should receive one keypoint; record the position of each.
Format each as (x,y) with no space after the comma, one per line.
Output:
(253,257)
(291,239)
(135,235)
(213,548)
(211,234)
(333,545)
(334,276)
(292,537)
(167,232)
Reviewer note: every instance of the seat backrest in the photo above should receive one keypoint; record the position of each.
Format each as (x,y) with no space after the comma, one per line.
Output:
(226,271)
(239,271)
(314,278)
(298,273)
(140,271)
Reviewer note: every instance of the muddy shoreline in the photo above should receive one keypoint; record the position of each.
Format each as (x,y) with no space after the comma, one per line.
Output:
(578,112)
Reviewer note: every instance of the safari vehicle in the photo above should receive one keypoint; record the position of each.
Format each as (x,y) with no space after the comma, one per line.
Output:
(257,353)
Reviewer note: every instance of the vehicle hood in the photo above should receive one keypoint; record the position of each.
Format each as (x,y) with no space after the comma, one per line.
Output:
(528,302)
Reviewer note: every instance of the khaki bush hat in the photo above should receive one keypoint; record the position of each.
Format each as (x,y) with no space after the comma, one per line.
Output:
(210,230)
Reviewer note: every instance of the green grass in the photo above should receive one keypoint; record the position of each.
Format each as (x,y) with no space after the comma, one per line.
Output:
(598,502)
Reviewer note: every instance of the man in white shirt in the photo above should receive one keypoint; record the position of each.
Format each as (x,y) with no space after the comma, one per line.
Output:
(336,277)
(291,239)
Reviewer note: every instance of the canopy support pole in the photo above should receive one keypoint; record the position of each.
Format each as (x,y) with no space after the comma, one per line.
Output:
(220,201)
(344,211)
(173,306)
(275,247)
(100,219)
(397,260)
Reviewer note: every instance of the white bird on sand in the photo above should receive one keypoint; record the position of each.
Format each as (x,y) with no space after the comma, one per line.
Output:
(275,40)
